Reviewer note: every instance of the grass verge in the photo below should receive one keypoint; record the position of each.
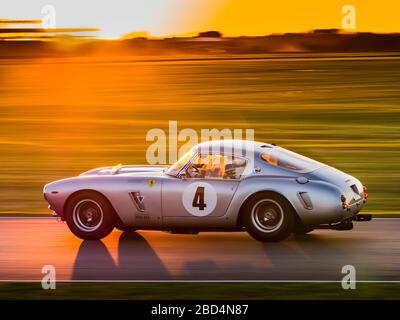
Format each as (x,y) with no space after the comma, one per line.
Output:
(207,291)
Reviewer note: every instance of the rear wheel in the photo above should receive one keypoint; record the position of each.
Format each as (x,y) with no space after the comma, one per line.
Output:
(269,217)
(89,216)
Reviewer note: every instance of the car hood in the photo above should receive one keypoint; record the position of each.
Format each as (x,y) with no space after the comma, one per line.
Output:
(119,169)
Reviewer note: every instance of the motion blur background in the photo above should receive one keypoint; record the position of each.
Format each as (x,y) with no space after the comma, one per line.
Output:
(60,116)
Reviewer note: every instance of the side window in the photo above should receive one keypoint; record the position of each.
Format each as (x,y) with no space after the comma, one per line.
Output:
(217,166)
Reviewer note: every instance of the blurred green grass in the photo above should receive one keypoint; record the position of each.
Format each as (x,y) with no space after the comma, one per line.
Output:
(208,291)
(60,117)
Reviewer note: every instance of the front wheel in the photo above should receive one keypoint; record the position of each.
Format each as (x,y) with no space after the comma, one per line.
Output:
(89,216)
(269,217)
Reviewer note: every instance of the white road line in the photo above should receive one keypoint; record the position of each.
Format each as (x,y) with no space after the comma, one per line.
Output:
(201,281)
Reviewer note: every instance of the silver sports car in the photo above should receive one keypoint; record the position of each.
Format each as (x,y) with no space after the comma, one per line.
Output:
(225,185)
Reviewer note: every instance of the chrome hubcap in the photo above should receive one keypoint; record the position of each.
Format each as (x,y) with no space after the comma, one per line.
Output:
(267,215)
(88,215)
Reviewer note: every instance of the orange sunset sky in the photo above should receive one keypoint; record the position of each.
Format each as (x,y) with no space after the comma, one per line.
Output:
(231,17)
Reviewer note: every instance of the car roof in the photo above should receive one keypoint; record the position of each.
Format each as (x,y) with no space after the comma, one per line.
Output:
(237,147)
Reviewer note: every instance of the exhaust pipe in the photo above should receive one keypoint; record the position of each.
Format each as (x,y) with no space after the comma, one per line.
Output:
(363,217)
(344,225)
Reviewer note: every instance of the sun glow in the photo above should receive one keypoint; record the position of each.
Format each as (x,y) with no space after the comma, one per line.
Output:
(161,18)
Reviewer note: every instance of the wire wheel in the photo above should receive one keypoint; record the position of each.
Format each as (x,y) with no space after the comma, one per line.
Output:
(267,215)
(88,215)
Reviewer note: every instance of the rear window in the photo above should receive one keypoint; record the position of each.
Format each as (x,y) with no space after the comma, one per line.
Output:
(290,160)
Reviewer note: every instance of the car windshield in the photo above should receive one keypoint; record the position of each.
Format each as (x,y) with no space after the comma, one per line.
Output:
(177,166)
(290,160)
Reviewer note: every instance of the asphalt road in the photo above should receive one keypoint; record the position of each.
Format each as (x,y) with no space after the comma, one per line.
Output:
(27,244)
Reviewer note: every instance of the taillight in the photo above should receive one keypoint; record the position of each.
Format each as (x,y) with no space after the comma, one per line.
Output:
(344,204)
(365,189)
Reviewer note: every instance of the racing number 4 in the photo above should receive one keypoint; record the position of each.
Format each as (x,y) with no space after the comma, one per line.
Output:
(198,199)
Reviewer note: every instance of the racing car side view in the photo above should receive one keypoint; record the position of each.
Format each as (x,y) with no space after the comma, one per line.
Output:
(221,185)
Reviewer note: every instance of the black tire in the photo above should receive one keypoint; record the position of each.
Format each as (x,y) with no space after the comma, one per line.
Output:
(268,217)
(89,216)
(121,227)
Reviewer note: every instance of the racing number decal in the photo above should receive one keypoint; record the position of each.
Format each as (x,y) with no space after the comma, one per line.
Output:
(199,199)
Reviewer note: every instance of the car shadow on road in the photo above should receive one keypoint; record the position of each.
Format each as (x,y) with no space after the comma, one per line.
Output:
(136,260)
(307,257)
(310,257)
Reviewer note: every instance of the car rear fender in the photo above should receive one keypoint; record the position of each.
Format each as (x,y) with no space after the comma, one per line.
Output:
(325,198)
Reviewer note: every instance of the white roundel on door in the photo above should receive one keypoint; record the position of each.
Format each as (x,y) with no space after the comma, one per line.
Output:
(199,199)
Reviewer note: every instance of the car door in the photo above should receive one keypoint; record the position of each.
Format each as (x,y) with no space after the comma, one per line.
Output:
(206,191)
